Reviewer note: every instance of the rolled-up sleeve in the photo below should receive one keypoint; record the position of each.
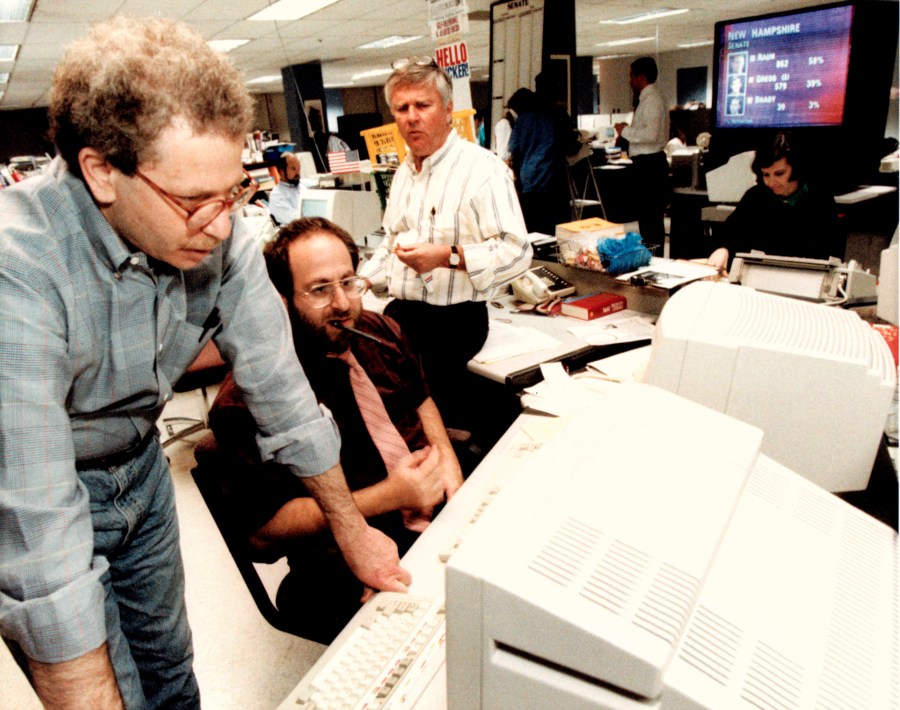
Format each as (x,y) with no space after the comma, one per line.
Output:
(502,252)
(51,599)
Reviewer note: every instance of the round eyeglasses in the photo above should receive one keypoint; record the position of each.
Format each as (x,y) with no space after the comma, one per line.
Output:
(321,295)
(200,215)
(410,61)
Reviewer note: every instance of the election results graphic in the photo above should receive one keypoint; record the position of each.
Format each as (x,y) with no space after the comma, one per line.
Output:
(784,71)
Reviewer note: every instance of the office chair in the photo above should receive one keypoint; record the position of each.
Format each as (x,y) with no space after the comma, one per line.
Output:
(206,477)
(208,369)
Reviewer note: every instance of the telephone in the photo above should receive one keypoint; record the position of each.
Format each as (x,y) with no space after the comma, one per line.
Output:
(539,284)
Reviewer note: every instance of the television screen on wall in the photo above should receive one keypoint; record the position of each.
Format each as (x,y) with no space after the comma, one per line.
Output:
(785,70)
(825,73)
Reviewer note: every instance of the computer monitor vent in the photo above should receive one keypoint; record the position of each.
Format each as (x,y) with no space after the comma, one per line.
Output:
(618,577)
(773,680)
(712,646)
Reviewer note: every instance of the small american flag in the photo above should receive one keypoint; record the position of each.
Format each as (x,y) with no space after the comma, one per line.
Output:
(344,161)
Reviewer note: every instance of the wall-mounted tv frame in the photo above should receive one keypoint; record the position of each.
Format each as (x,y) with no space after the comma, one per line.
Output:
(784,71)
(822,72)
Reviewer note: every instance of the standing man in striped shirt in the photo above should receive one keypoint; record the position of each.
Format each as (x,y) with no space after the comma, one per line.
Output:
(454,234)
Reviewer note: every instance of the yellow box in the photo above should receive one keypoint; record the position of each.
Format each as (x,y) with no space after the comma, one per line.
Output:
(594,227)
(464,125)
(386,146)
(578,241)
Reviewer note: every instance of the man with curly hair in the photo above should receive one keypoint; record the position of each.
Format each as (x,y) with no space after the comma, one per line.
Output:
(116,270)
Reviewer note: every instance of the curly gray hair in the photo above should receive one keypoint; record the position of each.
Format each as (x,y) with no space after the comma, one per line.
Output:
(120,86)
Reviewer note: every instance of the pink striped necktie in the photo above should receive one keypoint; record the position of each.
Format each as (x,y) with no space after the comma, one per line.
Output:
(387,438)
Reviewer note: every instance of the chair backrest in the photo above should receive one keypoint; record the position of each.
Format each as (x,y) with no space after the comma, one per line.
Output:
(208,482)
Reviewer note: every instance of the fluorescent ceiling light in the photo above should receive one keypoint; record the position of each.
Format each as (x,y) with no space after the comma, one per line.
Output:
(644,16)
(704,43)
(4,77)
(15,10)
(371,73)
(612,56)
(290,9)
(387,42)
(622,42)
(265,79)
(226,45)
(8,52)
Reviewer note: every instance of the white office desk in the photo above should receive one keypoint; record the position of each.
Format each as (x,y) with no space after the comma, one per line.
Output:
(521,370)
(574,352)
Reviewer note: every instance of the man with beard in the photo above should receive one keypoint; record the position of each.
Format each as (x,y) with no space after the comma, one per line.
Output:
(285,196)
(312,263)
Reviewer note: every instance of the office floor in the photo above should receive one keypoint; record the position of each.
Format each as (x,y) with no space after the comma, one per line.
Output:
(241,662)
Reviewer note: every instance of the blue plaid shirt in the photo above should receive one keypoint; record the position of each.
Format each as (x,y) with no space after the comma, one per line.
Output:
(92,338)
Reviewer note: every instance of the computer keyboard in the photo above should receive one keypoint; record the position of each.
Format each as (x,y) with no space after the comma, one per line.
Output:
(383,659)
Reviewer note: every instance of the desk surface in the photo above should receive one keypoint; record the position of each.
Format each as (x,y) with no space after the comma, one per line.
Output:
(524,370)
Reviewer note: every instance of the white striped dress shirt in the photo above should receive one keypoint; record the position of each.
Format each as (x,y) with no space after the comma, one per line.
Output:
(462,196)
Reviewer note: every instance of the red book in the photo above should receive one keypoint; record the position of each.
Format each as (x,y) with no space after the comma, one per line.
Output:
(593,306)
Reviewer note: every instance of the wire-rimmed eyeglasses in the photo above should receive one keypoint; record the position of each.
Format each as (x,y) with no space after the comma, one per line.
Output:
(200,215)
(410,61)
(321,295)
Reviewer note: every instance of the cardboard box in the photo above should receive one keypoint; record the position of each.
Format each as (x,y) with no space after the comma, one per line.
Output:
(578,241)
(592,228)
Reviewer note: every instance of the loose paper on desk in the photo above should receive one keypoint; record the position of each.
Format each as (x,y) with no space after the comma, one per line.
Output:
(629,366)
(623,327)
(669,274)
(558,394)
(505,340)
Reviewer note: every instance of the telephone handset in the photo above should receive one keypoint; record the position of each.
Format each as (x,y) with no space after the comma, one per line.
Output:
(539,284)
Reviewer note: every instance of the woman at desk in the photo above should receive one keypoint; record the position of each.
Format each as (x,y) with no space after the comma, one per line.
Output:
(782,214)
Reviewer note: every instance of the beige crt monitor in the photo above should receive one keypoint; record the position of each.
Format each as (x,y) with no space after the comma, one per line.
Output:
(817,379)
(357,211)
(576,584)
(652,559)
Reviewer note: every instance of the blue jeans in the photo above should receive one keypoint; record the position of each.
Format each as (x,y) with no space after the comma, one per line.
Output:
(135,528)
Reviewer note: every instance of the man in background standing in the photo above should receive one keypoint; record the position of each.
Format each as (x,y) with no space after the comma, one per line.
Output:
(541,140)
(284,199)
(647,136)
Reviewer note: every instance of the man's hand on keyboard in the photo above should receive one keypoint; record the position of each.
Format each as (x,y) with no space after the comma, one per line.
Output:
(371,555)
(374,559)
